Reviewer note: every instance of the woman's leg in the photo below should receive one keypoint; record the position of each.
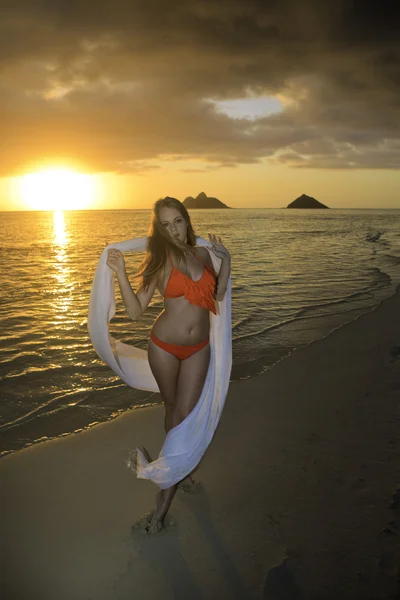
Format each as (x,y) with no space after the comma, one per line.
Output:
(188,480)
(165,368)
(191,378)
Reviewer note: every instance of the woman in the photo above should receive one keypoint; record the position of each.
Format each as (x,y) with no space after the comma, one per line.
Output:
(178,349)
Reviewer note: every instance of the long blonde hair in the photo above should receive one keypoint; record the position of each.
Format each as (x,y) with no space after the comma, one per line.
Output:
(159,242)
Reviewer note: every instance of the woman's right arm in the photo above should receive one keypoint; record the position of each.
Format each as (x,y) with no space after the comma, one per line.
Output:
(135,304)
(130,299)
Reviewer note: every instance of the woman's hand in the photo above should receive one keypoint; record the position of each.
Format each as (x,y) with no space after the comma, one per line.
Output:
(115,260)
(218,247)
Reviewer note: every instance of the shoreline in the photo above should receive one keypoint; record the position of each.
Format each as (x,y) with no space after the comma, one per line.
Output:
(246,371)
(301,490)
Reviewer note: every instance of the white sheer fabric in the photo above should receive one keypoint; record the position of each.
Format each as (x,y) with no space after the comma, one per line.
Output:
(186,443)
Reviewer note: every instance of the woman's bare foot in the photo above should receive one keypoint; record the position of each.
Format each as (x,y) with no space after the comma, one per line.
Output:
(146,524)
(153,522)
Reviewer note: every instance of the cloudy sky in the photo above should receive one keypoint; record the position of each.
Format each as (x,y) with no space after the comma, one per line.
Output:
(255,102)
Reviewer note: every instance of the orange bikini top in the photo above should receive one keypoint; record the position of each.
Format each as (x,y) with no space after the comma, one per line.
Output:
(199,292)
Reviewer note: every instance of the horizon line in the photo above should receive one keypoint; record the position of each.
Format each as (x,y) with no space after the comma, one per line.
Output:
(203,209)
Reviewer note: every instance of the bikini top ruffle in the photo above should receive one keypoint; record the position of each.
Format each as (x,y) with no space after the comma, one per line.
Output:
(196,292)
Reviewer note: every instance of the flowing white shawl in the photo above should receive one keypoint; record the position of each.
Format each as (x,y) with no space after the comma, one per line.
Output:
(186,443)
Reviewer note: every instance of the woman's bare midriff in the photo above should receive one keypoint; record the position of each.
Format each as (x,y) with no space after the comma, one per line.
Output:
(182,323)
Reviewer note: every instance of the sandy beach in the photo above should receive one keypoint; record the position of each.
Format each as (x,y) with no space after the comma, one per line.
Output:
(300,496)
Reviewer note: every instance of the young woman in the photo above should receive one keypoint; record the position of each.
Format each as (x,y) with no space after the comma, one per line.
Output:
(178,349)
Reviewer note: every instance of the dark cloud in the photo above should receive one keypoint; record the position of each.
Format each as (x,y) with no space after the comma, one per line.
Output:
(115,86)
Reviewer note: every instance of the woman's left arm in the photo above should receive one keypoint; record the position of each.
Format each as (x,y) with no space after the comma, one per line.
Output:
(222,279)
(223,276)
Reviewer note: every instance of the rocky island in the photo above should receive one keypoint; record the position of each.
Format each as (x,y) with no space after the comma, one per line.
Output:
(203,201)
(305,201)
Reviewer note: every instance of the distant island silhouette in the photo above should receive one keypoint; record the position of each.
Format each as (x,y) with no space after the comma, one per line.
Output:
(203,201)
(305,201)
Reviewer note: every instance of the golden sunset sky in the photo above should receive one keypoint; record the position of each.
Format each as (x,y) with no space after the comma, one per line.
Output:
(114,105)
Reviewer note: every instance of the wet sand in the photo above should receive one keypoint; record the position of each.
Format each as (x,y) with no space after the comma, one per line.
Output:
(299,495)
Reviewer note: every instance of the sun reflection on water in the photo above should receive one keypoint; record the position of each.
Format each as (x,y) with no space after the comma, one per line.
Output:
(60,234)
(63,287)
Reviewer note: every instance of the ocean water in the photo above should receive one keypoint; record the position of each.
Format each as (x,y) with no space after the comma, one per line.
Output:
(296,276)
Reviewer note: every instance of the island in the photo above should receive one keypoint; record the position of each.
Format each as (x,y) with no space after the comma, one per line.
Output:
(305,201)
(203,201)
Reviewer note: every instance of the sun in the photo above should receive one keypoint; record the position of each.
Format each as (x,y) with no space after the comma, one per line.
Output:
(57,189)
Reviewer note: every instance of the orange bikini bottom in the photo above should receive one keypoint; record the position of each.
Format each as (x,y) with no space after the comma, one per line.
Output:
(180,352)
